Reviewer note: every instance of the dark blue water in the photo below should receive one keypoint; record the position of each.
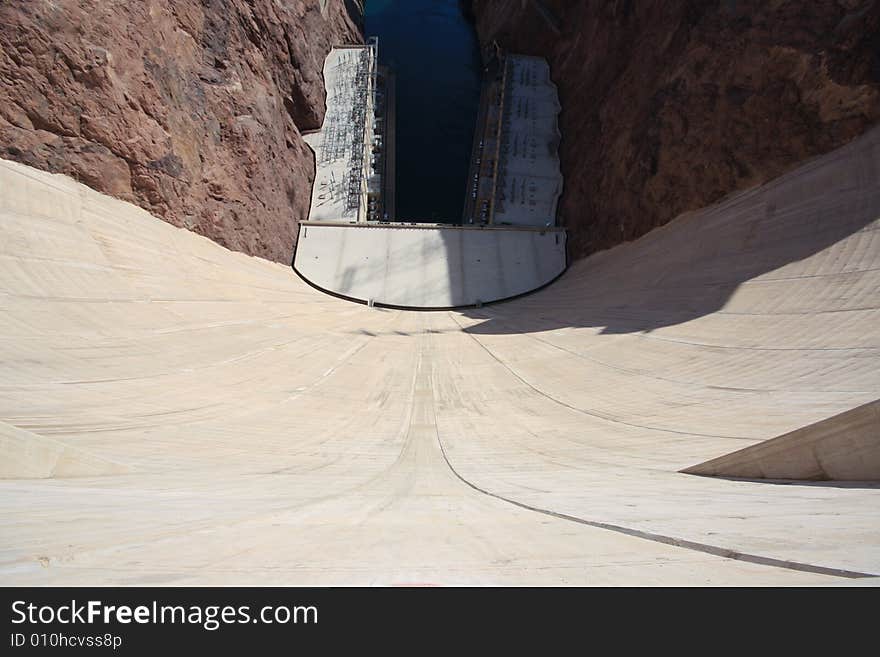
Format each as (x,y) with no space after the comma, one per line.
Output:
(434,52)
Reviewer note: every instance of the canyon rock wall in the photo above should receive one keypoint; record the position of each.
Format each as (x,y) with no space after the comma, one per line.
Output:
(193,109)
(669,105)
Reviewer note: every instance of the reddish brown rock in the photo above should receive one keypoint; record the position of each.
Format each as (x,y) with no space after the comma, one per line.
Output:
(669,105)
(192,109)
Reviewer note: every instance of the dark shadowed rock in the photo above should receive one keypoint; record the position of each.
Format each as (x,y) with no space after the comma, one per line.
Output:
(669,105)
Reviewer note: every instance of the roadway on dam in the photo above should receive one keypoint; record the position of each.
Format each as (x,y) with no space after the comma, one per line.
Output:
(175,413)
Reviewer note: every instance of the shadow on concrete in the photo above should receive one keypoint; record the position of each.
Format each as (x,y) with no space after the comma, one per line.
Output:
(825,483)
(691,267)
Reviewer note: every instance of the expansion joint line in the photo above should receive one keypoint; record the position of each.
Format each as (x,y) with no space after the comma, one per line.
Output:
(582,411)
(706,548)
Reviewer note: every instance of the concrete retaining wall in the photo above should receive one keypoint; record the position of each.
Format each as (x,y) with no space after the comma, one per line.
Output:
(418,266)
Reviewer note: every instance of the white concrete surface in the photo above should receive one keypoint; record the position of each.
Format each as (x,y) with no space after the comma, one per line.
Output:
(271,434)
(529,177)
(427,266)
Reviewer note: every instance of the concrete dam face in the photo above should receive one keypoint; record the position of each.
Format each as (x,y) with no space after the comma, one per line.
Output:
(172,412)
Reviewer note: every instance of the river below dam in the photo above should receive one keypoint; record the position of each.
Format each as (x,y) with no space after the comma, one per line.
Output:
(432,48)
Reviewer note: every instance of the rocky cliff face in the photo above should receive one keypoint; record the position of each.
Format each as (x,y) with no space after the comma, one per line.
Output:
(669,105)
(193,109)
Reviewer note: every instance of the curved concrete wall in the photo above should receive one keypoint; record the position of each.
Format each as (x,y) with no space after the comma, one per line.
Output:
(419,266)
(273,434)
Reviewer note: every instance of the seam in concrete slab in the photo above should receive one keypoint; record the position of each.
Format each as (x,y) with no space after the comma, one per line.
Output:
(716,550)
(660,538)
(584,411)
